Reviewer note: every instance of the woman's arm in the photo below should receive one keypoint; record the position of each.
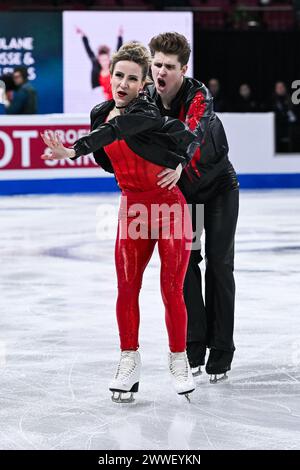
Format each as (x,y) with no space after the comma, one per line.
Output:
(86,44)
(87,144)
(60,152)
(120,38)
(88,49)
(119,127)
(140,116)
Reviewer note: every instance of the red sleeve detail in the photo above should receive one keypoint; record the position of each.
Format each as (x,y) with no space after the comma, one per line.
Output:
(194,114)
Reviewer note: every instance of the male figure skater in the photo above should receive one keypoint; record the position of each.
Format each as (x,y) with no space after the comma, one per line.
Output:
(209,179)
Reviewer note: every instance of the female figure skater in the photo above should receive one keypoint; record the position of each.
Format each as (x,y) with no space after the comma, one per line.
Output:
(131,138)
(100,75)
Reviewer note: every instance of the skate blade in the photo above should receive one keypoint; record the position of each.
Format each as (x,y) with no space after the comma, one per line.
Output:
(124,396)
(214,379)
(187,394)
(196,371)
(120,397)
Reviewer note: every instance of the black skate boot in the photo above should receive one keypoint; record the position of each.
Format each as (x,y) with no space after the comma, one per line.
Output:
(196,356)
(219,362)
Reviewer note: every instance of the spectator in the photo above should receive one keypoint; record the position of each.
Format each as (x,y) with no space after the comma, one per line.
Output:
(220,104)
(3,97)
(285,117)
(24,99)
(245,102)
(10,86)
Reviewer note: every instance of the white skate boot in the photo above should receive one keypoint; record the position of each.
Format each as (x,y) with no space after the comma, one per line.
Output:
(181,373)
(126,381)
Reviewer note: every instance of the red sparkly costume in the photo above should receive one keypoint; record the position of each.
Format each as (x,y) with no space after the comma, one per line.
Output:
(138,180)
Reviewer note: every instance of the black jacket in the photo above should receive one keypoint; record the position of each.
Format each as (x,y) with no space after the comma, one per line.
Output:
(211,170)
(160,140)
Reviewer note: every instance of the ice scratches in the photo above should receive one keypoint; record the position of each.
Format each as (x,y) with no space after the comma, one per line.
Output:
(265,377)
(207,437)
(70,378)
(70,252)
(61,342)
(274,249)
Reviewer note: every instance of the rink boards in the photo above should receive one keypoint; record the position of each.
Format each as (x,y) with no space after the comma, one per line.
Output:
(251,141)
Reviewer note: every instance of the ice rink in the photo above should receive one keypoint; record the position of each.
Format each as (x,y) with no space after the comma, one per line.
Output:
(59,341)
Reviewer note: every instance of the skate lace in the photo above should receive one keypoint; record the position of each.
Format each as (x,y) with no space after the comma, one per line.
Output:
(126,365)
(179,366)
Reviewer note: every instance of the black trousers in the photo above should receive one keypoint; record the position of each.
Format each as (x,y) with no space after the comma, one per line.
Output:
(211,325)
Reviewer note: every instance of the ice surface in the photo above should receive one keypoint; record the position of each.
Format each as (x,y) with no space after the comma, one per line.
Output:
(59,341)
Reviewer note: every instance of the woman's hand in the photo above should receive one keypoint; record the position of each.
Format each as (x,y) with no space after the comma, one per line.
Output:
(58,151)
(169,177)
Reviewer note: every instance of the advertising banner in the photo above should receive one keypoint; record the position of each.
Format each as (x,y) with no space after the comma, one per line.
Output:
(34,40)
(90,39)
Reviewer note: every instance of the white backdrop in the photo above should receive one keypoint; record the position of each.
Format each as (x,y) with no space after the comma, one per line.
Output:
(251,138)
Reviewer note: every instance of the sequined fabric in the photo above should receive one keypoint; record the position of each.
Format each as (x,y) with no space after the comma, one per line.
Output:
(141,225)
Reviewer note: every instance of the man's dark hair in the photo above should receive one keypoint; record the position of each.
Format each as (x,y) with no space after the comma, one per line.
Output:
(23,72)
(171,43)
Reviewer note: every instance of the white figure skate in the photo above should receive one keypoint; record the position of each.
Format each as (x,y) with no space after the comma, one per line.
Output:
(181,373)
(126,380)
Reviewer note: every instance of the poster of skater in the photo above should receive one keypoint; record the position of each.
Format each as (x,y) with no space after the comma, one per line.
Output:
(89,40)
(34,40)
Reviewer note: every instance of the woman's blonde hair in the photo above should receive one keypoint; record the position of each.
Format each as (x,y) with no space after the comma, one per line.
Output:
(134,52)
